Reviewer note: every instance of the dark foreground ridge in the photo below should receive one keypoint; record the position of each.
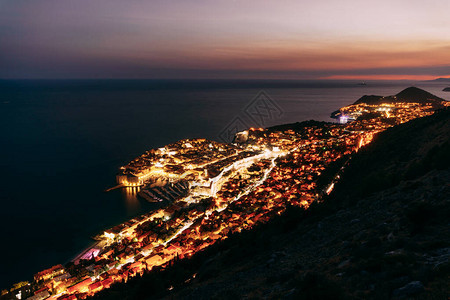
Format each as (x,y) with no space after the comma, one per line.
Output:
(382,233)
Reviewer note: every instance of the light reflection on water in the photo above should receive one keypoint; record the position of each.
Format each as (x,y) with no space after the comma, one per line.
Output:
(132,202)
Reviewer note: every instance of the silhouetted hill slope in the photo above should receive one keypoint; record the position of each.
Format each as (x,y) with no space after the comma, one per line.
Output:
(383,233)
(298,126)
(400,153)
(411,94)
(447,89)
(371,99)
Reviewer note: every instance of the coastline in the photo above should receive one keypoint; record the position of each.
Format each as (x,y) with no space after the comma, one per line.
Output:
(84,252)
(121,218)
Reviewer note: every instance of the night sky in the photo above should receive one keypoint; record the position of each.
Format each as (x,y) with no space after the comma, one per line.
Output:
(281,39)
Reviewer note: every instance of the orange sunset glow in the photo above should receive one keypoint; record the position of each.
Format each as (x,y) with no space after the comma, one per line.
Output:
(223,39)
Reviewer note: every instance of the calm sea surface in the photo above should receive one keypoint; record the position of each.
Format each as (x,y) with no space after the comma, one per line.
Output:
(61,143)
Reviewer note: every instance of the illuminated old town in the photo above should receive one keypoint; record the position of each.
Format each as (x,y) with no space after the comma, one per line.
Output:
(216,189)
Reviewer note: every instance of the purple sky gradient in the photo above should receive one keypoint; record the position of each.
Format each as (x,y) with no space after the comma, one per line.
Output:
(224,39)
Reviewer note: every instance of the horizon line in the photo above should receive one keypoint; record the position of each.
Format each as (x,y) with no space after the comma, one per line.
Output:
(330,78)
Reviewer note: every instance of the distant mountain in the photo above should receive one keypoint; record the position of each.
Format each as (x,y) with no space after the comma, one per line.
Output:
(411,94)
(440,80)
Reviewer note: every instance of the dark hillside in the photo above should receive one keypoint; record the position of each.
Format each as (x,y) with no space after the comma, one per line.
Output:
(400,153)
(372,99)
(411,94)
(298,126)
